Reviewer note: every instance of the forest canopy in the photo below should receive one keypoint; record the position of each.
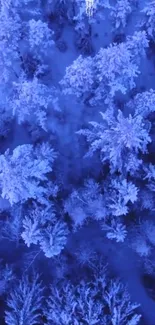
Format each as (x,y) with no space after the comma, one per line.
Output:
(77,162)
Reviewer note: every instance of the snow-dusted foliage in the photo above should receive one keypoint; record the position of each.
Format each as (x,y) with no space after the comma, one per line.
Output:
(79,77)
(54,239)
(9,4)
(148,229)
(150,172)
(146,200)
(150,176)
(117,66)
(7,277)
(94,202)
(137,45)
(70,304)
(117,139)
(25,302)
(122,311)
(61,305)
(12,226)
(10,35)
(23,172)
(115,231)
(5,122)
(111,70)
(142,238)
(10,32)
(41,227)
(79,11)
(86,202)
(119,193)
(40,37)
(148,21)
(143,103)
(101,76)
(120,12)
(141,247)
(30,101)
(126,189)
(115,70)
(31,233)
